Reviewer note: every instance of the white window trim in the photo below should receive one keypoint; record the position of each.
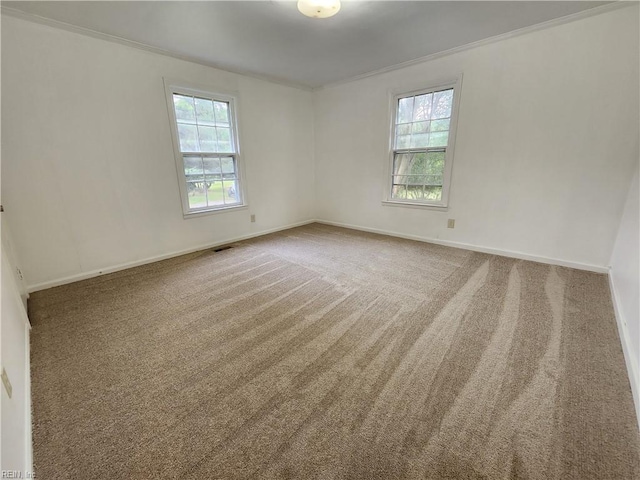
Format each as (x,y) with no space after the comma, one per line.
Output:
(394,97)
(172,86)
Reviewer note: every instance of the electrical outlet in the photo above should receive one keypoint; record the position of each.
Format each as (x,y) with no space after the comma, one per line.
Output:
(253,219)
(6,382)
(451,223)
(19,273)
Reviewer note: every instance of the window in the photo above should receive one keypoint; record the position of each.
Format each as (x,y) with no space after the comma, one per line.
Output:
(423,130)
(206,147)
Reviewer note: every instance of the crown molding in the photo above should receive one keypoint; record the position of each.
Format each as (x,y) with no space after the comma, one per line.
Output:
(30,17)
(609,7)
(16,13)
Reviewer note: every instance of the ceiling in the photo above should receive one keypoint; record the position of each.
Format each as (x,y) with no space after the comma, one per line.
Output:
(272,39)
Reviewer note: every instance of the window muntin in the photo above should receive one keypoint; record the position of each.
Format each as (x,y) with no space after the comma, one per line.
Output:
(422,126)
(207,150)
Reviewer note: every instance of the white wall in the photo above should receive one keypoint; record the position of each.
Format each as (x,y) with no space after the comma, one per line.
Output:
(8,249)
(547,128)
(15,412)
(15,409)
(89,178)
(625,281)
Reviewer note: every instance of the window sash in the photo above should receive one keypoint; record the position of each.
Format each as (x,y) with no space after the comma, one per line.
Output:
(417,187)
(423,119)
(230,194)
(216,124)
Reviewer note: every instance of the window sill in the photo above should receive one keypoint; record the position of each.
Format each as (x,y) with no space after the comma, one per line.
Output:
(214,211)
(424,206)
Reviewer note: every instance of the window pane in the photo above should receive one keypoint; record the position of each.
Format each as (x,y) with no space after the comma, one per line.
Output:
(422,107)
(415,192)
(439,139)
(434,167)
(188,138)
(417,179)
(440,125)
(192,168)
(433,193)
(230,191)
(400,179)
(204,111)
(208,138)
(420,127)
(224,140)
(184,108)
(403,129)
(420,167)
(221,112)
(196,193)
(399,191)
(401,164)
(403,141)
(214,193)
(418,162)
(442,102)
(419,140)
(212,167)
(228,167)
(405,110)
(433,180)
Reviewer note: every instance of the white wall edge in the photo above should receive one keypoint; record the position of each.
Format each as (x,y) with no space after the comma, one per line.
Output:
(28,461)
(632,369)
(22,312)
(475,248)
(30,17)
(16,294)
(157,258)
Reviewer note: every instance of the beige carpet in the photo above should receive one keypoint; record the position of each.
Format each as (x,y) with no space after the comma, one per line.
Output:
(326,353)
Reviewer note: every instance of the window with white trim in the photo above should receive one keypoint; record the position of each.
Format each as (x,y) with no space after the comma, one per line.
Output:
(206,149)
(423,131)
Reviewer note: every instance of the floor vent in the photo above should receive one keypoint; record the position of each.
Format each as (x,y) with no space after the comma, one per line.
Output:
(224,247)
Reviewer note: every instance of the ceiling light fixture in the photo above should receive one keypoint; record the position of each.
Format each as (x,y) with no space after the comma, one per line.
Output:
(319,8)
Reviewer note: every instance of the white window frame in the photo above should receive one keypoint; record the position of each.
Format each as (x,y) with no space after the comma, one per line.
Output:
(184,88)
(456,85)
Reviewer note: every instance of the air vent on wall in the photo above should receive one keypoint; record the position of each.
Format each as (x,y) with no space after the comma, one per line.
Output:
(224,247)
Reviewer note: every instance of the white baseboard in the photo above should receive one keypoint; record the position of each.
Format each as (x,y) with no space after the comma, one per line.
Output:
(157,258)
(448,243)
(632,368)
(476,248)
